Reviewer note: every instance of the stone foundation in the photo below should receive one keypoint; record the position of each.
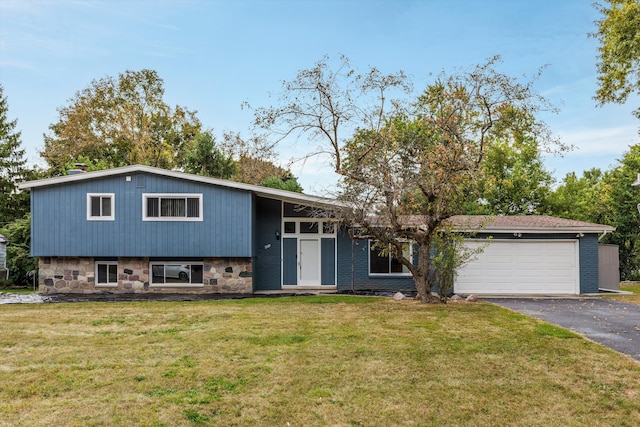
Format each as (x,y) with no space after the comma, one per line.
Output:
(77,275)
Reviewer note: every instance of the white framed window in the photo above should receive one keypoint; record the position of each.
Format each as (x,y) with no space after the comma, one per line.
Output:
(101,206)
(107,273)
(309,226)
(386,264)
(172,207)
(176,273)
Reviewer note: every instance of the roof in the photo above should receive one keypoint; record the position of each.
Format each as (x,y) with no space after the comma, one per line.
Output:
(526,223)
(267,192)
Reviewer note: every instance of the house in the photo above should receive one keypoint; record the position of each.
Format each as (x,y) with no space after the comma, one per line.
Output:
(4,273)
(138,229)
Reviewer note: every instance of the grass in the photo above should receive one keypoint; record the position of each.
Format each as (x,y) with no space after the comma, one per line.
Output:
(633,287)
(11,290)
(344,361)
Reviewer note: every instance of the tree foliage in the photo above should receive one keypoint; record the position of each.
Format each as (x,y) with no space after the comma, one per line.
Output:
(19,260)
(204,157)
(121,121)
(583,199)
(512,179)
(13,203)
(255,163)
(406,169)
(619,51)
(622,200)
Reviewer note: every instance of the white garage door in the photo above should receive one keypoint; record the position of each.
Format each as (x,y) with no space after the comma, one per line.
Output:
(521,267)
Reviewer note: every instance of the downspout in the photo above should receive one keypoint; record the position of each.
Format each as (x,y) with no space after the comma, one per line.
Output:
(352,265)
(604,233)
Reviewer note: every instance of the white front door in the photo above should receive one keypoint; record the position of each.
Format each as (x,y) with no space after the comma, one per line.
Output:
(309,262)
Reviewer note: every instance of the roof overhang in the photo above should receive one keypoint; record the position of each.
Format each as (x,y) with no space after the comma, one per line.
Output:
(271,193)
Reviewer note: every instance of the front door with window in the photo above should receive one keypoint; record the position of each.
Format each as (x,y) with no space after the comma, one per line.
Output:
(308,252)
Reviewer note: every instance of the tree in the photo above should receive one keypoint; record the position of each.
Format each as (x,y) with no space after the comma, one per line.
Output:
(286,181)
(255,163)
(121,121)
(407,171)
(582,199)
(19,260)
(513,179)
(622,212)
(619,51)
(205,158)
(13,203)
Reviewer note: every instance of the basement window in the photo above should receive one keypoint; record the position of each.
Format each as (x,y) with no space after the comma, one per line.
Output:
(107,273)
(176,274)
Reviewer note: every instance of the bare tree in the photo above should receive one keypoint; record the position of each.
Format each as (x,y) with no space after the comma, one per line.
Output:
(407,169)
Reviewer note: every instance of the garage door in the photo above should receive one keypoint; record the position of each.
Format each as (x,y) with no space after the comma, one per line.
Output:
(521,267)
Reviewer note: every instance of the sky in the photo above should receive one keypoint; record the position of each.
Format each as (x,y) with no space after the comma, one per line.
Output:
(215,55)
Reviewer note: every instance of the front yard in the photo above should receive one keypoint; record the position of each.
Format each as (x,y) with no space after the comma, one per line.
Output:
(633,287)
(304,361)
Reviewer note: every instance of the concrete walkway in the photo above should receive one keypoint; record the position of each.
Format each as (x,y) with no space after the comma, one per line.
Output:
(611,323)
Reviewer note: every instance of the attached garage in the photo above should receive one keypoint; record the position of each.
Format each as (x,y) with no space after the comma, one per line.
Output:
(521,267)
(530,255)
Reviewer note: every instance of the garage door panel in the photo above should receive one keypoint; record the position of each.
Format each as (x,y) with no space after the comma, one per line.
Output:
(520,267)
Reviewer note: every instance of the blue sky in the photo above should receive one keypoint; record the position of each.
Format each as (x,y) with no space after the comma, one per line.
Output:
(214,55)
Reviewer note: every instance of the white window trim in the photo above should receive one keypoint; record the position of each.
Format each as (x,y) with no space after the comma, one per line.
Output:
(145,196)
(174,285)
(320,232)
(105,285)
(112,217)
(407,274)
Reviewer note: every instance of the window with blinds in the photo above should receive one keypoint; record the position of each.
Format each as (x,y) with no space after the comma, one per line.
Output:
(172,207)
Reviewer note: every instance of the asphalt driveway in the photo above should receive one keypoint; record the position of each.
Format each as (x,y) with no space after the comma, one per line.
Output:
(611,323)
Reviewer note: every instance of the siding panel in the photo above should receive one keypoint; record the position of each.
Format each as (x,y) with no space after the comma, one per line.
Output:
(60,227)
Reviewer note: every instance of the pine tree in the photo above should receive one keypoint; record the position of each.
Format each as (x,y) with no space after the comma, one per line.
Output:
(13,204)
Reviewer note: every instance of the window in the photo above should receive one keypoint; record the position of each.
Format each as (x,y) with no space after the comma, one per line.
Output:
(290,227)
(107,273)
(100,207)
(309,227)
(386,264)
(176,274)
(172,207)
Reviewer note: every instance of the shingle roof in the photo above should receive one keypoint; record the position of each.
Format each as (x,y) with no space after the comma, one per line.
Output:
(535,223)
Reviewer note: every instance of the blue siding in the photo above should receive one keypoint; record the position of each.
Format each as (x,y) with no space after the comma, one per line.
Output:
(328,263)
(355,276)
(267,247)
(589,270)
(290,255)
(60,227)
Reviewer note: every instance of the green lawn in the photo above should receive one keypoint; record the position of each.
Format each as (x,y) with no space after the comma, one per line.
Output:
(629,287)
(304,361)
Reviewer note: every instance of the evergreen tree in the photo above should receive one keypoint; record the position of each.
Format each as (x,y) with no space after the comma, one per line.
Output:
(13,204)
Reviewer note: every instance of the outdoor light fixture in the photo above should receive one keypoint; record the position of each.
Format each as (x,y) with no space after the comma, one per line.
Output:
(277,234)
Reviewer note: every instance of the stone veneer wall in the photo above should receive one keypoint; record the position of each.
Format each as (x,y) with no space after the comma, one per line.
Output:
(77,275)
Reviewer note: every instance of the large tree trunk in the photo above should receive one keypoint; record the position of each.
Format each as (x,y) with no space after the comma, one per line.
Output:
(421,279)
